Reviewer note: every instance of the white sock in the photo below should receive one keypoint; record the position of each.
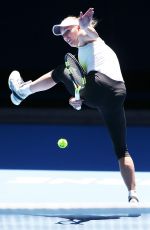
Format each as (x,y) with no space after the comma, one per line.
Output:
(132,193)
(25,89)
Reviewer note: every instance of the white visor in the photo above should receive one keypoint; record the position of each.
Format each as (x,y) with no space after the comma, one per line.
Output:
(70,21)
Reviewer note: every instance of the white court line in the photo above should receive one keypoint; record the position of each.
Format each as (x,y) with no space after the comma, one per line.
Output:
(64,180)
(98,209)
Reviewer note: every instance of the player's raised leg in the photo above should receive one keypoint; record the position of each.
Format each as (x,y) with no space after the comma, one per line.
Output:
(21,90)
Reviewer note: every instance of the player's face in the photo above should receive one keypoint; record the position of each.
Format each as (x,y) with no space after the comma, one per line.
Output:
(70,35)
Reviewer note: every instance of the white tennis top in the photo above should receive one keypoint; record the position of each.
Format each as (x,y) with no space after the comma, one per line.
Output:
(100,57)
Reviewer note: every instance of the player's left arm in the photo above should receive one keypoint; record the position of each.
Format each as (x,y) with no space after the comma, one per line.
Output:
(85,23)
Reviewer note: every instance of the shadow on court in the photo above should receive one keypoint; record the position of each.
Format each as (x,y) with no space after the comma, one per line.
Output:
(77,219)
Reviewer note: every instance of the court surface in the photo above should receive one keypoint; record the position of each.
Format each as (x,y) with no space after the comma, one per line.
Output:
(43,199)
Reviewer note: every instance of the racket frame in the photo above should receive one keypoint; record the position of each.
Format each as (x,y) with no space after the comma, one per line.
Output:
(77,87)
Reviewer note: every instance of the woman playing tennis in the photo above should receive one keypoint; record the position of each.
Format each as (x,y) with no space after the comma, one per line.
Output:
(104,90)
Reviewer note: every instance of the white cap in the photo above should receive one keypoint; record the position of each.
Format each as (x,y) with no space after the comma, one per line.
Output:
(69,21)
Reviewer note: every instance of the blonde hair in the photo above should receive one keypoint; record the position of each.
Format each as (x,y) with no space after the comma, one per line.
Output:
(94,22)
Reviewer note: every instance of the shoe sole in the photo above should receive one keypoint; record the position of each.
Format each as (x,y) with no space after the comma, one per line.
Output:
(14,76)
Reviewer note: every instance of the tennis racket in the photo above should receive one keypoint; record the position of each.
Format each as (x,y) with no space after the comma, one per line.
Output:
(76,73)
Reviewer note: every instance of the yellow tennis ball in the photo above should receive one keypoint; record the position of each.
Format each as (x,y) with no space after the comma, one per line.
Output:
(62,143)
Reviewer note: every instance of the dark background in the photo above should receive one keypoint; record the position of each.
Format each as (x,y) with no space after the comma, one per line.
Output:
(28,45)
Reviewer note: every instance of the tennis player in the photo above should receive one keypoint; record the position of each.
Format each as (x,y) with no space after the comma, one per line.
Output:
(105,88)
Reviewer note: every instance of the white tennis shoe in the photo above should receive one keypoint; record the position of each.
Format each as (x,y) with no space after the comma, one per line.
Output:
(20,89)
(133,200)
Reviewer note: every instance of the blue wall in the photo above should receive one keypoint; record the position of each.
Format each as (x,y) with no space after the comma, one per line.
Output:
(30,146)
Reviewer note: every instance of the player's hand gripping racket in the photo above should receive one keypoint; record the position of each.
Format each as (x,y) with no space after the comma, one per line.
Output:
(76,73)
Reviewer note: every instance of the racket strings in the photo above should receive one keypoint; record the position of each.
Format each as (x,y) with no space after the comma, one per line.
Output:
(78,74)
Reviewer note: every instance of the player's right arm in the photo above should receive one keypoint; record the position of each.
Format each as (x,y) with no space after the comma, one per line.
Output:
(75,103)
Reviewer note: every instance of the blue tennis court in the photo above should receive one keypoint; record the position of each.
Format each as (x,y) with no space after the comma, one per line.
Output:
(44,187)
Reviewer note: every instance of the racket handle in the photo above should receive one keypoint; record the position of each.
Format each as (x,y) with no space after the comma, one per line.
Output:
(77,97)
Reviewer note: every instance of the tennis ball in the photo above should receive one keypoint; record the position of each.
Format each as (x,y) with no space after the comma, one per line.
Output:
(62,143)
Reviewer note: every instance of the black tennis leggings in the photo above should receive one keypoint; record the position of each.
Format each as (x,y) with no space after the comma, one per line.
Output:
(110,103)
(116,124)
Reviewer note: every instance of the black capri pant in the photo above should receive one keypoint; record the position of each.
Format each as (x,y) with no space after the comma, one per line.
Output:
(109,99)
